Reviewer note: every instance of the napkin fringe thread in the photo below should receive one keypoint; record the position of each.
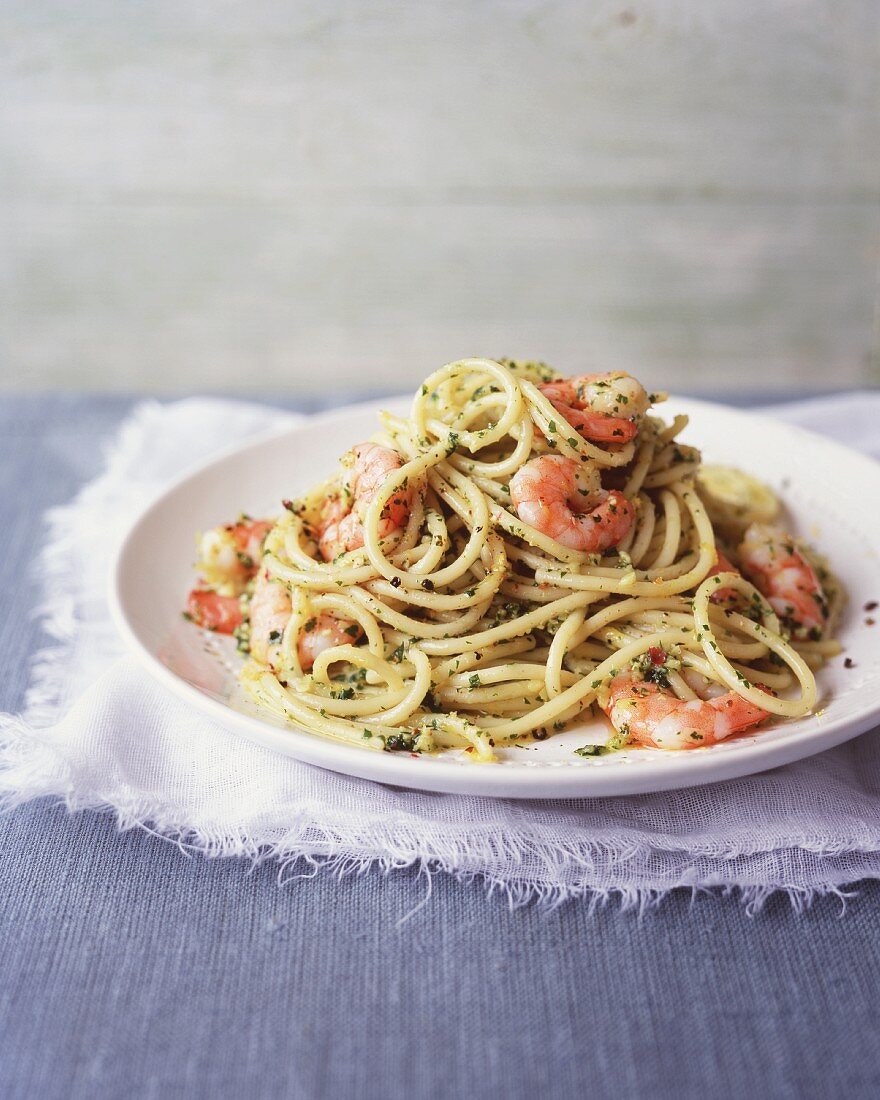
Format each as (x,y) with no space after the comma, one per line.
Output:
(63,583)
(534,870)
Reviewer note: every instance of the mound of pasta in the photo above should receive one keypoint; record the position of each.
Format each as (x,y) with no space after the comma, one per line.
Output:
(520,549)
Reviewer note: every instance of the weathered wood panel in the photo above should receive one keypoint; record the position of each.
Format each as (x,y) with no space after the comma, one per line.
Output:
(204,195)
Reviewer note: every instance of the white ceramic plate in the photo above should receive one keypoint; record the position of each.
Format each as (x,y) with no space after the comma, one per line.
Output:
(832,495)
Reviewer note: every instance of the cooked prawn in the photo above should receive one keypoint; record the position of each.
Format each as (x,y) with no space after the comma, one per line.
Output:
(722,565)
(339,529)
(207,608)
(323,632)
(772,560)
(270,612)
(564,500)
(604,408)
(229,555)
(366,467)
(651,715)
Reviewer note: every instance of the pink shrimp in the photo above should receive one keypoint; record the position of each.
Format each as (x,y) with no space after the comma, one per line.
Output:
(564,500)
(604,408)
(366,467)
(249,536)
(651,715)
(229,555)
(723,565)
(773,562)
(339,529)
(323,632)
(206,608)
(269,615)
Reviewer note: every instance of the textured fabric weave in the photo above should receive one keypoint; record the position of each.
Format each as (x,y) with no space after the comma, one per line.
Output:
(98,732)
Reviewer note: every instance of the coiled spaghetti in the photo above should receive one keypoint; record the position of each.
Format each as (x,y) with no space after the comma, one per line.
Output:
(471,628)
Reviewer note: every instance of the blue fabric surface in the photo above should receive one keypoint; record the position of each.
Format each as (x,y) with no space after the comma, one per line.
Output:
(130,969)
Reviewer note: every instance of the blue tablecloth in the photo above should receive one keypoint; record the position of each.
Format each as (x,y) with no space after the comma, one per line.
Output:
(130,969)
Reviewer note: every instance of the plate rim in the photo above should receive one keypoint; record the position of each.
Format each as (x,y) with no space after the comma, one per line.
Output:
(525,781)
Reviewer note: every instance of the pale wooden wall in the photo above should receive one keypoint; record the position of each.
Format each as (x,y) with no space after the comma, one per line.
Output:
(205,193)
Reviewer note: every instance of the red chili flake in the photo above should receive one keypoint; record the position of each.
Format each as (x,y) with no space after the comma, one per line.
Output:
(658,657)
(871,605)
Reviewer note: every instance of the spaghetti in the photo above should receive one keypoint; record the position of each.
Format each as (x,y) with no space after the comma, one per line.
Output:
(520,549)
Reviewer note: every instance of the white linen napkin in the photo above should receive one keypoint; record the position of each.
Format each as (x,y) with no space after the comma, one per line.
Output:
(99,733)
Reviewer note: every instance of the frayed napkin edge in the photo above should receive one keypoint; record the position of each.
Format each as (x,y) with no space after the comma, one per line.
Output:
(326,851)
(46,699)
